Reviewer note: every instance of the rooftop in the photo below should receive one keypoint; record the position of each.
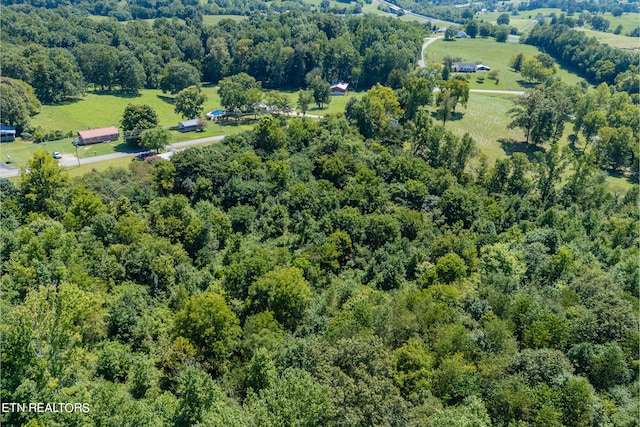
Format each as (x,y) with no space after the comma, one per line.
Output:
(93,133)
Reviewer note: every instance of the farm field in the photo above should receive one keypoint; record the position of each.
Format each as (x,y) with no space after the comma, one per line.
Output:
(615,40)
(495,55)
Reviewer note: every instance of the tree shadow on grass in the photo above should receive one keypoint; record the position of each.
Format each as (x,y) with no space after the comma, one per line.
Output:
(126,95)
(66,101)
(117,93)
(127,146)
(454,116)
(511,146)
(527,85)
(631,177)
(168,99)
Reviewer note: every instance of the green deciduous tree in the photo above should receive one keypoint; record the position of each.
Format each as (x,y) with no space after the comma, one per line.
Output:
(321,91)
(305,98)
(415,93)
(138,118)
(285,292)
(189,102)
(294,398)
(451,93)
(615,146)
(533,114)
(40,183)
(239,93)
(55,76)
(130,73)
(207,321)
(501,33)
(375,112)
(14,104)
(269,135)
(503,19)
(177,76)
(450,33)
(155,139)
(535,71)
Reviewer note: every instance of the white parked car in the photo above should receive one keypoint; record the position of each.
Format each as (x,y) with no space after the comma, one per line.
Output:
(57,155)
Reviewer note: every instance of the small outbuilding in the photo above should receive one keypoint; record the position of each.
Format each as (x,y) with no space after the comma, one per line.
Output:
(7,133)
(189,125)
(460,67)
(339,89)
(482,67)
(94,136)
(461,35)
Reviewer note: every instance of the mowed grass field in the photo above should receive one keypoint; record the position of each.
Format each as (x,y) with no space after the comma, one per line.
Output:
(495,55)
(615,40)
(629,21)
(486,120)
(519,21)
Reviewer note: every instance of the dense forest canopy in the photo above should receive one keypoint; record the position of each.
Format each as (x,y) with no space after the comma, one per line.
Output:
(367,268)
(279,50)
(144,9)
(325,279)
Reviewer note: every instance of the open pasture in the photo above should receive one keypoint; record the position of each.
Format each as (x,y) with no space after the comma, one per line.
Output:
(496,55)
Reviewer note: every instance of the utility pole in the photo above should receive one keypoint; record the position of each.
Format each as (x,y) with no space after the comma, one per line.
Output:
(75,144)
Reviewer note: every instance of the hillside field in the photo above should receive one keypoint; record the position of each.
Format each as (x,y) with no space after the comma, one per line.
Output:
(615,40)
(495,55)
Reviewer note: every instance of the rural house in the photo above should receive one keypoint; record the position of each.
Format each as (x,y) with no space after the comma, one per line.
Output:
(94,136)
(460,67)
(189,125)
(339,89)
(7,133)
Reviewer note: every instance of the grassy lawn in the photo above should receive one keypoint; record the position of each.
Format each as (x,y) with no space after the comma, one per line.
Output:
(495,55)
(21,151)
(214,19)
(495,141)
(486,120)
(337,104)
(105,109)
(520,22)
(77,171)
(611,39)
(629,21)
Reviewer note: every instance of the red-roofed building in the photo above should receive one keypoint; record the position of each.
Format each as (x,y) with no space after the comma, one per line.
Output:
(339,89)
(93,136)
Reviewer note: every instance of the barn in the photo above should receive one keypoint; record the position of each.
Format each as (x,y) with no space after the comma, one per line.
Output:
(94,136)
(339,89)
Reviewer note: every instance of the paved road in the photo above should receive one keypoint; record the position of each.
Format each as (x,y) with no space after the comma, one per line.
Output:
(425,45)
